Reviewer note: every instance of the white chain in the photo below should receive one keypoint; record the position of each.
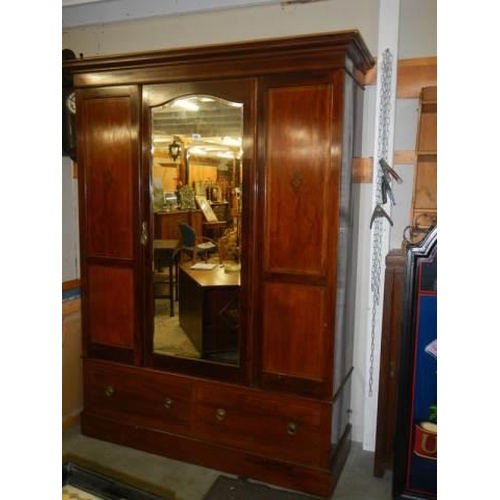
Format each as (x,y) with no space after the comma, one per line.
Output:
(383,141)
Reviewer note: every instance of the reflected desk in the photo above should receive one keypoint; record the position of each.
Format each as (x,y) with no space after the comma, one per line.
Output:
(209,307)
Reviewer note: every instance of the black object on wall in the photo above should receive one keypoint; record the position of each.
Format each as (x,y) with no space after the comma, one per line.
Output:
(68,109)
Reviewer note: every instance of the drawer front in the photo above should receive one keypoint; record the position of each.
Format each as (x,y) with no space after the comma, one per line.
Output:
(293,429)
(144,398)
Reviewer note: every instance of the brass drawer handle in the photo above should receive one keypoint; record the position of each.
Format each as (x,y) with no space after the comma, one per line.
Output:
(109,391)
(220,414)
(167,403)
(291,428)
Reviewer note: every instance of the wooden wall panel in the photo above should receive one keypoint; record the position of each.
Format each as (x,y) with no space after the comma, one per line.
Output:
(294,330)
(111,310)
(72,371)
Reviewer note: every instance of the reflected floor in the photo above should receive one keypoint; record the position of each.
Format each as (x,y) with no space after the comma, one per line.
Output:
(170,338)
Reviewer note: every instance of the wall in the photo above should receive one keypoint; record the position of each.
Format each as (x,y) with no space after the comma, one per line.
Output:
(70,253)
(232,25)
(417,39)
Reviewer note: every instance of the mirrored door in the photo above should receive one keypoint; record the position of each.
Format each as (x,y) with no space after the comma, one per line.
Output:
(197,172)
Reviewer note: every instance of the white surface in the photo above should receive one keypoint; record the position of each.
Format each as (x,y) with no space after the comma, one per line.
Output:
(388,39)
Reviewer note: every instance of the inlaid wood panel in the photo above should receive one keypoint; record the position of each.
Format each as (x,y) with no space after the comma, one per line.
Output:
(111,311)
(294,330)
(298,159)
(109,161)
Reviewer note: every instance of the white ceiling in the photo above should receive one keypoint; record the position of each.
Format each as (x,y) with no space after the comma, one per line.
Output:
(91,12)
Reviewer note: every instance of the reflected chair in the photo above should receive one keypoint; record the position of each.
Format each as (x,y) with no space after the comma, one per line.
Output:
(193,245)
(165,255)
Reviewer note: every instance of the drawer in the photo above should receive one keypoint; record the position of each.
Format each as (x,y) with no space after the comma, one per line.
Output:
(293,429)
(144,398)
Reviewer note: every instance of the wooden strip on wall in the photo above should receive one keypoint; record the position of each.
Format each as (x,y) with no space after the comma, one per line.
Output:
(362,168)
(69,285)
(413,74)
(402,157)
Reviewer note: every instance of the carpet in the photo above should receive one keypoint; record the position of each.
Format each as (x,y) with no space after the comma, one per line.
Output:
(169,337)
(227,488)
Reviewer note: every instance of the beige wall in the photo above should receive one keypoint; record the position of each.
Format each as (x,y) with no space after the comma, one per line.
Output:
(240,24)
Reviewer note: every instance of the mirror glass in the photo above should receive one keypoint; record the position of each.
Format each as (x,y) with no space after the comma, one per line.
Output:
(196,171)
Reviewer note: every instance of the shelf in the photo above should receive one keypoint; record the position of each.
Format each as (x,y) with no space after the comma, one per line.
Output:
(424,202)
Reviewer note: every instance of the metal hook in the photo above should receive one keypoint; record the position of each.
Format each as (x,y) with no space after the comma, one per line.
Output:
(380,212)
(389,171)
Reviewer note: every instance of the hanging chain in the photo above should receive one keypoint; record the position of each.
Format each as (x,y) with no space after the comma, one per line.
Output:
(383,142)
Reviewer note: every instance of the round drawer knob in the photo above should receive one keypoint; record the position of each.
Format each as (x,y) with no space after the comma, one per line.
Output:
(291,428)
(167,403)
(220,414)
(109,391)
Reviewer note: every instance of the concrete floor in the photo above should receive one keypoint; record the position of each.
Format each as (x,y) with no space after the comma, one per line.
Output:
(191,482)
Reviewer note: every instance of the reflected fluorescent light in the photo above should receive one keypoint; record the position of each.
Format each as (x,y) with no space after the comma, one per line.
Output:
(198,151)
(226,154)
(236,104)
(231,141)
(186,104)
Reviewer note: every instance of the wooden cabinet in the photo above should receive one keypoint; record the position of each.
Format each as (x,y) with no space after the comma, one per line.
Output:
(166,224)
(281,413)
(424,203)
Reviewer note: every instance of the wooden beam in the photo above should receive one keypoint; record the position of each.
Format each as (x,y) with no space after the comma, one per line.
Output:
(413,74)
(69,285)
(362,168)
(403,157)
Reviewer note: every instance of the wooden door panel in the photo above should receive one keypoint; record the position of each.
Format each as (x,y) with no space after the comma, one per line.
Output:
(108,161)
(109,174)
(294,331)
(298,141)
(111,311)
(300,168)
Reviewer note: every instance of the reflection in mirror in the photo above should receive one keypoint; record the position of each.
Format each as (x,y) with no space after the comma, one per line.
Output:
(196,176)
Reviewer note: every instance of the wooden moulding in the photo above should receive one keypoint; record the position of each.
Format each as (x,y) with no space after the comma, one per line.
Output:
(301,53)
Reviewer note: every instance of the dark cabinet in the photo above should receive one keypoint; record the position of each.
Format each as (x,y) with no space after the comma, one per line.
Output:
(392,323)
(281,412)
